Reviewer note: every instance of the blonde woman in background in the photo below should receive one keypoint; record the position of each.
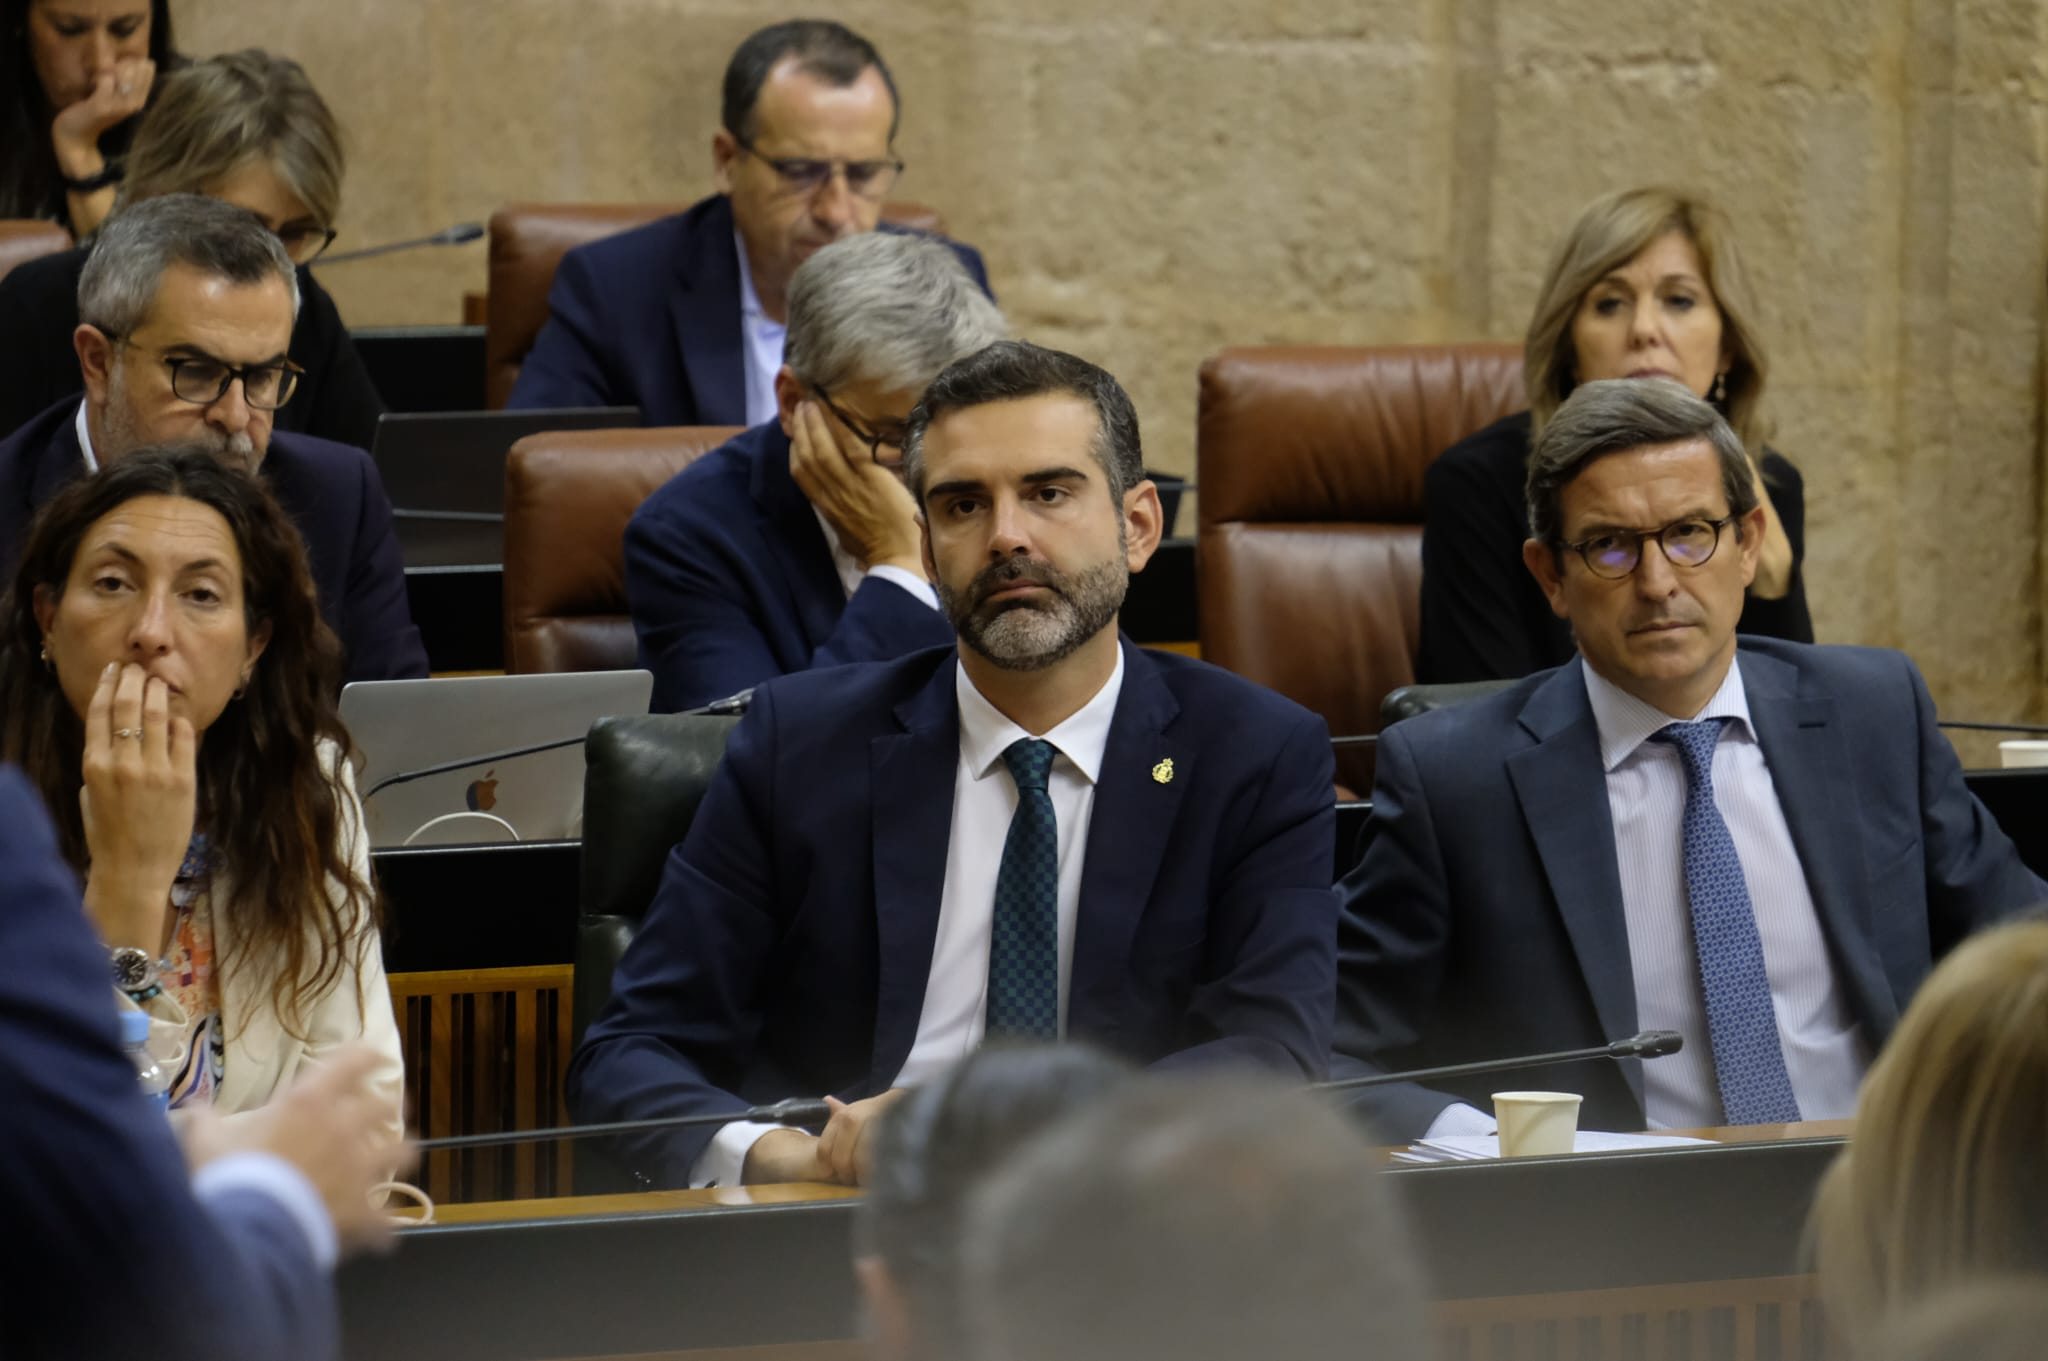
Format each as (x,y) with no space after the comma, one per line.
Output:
(250,129)
(1648,284)
(1946,1180)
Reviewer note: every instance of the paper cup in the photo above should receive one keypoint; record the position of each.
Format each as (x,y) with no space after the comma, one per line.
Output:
(1536,1123)
(2018,753)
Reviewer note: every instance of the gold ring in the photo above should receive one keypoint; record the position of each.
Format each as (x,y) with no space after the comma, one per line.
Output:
(135,733)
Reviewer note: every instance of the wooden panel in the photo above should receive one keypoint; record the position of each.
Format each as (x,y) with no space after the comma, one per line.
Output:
(487,1050)
(1767,1319)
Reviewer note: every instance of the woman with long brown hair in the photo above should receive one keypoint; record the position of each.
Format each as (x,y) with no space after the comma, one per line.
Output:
(1647,284)
(167,684)
(1945,1181)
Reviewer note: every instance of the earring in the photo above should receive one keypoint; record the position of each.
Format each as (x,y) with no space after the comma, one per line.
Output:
(48,665)
(1720,393)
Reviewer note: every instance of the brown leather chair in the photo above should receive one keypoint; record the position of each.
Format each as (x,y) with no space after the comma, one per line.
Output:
(529,239)
(1309,557)
(568,496)
(24,239)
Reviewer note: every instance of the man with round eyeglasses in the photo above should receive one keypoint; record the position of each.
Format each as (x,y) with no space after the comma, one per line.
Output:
(1761,845)
(686,318)
(186,310)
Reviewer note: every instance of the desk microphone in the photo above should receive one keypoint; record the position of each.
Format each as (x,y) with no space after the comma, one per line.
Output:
(1651,1044)
(459,234)
(2036,729)
(1356,740)
(794,1111)
(464,763)
(731,704)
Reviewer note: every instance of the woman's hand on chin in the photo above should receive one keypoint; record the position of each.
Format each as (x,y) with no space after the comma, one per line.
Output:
(139,800)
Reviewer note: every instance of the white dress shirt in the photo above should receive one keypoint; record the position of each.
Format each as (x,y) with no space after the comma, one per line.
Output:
(1824,1050)
(761,340)
(92,462)
(954,1016)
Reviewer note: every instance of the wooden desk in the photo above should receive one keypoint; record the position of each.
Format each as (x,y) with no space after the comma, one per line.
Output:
(1688,1252)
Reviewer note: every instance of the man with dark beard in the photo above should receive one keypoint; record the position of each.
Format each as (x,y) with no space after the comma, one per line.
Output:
(185,313)
(1042,832)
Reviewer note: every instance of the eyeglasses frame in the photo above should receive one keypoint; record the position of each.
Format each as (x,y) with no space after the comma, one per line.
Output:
(1643,536)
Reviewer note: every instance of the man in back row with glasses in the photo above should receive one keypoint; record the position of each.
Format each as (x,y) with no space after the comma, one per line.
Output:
(186,309)
(685,318)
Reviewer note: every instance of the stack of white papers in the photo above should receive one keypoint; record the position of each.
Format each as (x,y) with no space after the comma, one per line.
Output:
(1467,1148)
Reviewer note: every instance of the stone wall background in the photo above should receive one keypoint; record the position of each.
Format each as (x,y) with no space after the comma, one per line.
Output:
(1152,180)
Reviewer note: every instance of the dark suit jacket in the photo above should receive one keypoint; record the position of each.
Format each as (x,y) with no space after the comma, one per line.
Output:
(98,1202)
(730,582)
(331,491)
(788,947)
(651,318)
(1484,617)
(1485,919)
(39,310)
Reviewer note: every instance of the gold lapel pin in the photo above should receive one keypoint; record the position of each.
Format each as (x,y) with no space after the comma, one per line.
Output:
(1163,772)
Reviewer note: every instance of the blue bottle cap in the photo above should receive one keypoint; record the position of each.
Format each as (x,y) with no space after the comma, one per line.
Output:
(134,1027)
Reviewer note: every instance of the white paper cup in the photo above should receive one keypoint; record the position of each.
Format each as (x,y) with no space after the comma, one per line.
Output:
(2018,752)
(1536,1123)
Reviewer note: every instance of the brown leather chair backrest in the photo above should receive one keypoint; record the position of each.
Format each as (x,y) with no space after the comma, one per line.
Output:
(568,496)
(529,239)
(24,239)
(1309,467)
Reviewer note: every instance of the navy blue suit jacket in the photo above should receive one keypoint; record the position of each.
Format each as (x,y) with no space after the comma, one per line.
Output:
(1486,920)
(331,491)
(730,582)
(651,318)
(115,1256)
(788,947)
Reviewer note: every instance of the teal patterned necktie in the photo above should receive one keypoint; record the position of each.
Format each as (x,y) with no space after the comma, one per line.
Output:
(1024,950)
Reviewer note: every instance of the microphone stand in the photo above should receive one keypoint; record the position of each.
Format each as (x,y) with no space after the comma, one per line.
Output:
(457,235)
(1648,1045)
(795,1111)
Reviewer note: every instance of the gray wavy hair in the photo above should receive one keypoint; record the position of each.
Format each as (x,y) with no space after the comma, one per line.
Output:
(885,308)
(119,284)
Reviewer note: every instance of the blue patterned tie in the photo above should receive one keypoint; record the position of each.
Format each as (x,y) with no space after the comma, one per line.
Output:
(1749,1064)
(1024,953)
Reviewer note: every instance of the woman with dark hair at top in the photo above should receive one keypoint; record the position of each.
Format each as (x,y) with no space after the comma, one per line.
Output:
(1945,1180)
(1647,284)
(247,128)
(74,76)
(167,685)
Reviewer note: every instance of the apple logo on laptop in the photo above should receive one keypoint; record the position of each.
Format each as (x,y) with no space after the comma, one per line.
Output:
(482,795)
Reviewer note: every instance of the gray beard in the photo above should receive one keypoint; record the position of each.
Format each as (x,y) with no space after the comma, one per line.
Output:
(1032,635)
(121,436)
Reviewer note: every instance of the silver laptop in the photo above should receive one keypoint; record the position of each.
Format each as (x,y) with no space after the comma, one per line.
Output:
(474,725)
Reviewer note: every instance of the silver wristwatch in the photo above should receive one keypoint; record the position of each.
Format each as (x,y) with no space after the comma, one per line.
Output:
(134,970)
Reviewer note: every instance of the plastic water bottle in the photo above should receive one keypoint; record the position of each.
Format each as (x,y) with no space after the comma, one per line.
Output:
(156,1083)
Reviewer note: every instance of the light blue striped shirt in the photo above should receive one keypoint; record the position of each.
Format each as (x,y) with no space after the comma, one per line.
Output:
(1824,1049)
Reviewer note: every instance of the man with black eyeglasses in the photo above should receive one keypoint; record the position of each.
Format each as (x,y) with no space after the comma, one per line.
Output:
(685,317)
(796,545)
(186,309)
(1761,845)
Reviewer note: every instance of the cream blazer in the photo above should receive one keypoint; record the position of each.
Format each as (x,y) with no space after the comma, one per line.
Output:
(261,1057)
